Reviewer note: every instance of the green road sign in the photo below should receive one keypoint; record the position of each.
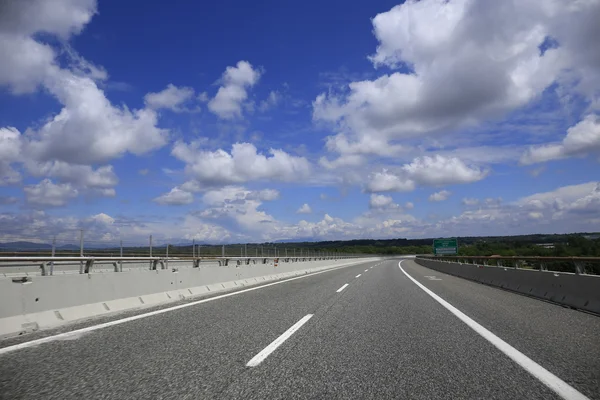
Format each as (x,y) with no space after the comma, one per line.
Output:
(445,246)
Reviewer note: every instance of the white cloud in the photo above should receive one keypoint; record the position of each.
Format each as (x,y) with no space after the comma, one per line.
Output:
(267,194)
(47,193)
(243,164)
(582,138)
(5,200)
(172,98)
(81,176)
(427,171)
(203,97)
(470,201)
(271,101)
(227,104)
(380,201)
(88,130)
(176,197)
(409,205)
(440,196)
(10,151)
(387,182)
(439,170)
(240,206)
(304,209)
(481,61)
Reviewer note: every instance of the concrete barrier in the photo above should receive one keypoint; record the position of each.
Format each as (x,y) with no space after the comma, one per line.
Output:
(30,303)
(577,291)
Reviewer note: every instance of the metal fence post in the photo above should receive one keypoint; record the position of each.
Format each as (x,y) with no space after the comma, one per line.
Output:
(81,250)
(121,255)
(193,248)
(167,254)
(53,254)
(150,251)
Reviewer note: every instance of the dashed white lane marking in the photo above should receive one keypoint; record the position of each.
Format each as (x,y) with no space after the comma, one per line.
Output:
(366,270)
(260,357)
(358,276)
(66,335)
(552,381)
(342,288)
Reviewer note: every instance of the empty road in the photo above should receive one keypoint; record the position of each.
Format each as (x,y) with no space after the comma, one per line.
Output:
(377,330)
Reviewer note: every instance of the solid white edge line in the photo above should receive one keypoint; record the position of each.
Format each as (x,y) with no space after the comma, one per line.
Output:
(260,357)
(342,288)
(552,381)
(76,332)
(358,276)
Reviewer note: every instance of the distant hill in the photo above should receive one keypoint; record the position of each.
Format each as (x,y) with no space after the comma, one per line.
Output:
(356,245)
(25,246)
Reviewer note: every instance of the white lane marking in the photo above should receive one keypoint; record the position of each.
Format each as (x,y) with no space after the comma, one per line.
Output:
(432,278)
(66,335)
(366,270)
(552,381)
(260,357)
(342,288)
(358,276)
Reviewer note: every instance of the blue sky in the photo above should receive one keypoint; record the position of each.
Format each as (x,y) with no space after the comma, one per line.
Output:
(231,122)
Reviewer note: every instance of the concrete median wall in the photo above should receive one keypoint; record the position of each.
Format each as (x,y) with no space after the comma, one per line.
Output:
(577,291)
(48,301)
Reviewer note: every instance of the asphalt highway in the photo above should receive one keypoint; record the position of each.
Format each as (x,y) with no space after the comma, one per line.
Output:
(366,331)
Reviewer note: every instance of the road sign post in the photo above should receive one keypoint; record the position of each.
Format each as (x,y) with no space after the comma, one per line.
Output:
(445,246)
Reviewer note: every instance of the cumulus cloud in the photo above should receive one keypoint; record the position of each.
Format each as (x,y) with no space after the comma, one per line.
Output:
(172,98)
(88,130)
(388,182)
(582,138)
(47,193)
(427,171)
(481,61)
(8,200)
(176,197)
(227,103)
(304,209)
(470,201)
(237,205)
(440,196)
(243,164)
(271,101)
(380,201)
(82,176)
(439,170)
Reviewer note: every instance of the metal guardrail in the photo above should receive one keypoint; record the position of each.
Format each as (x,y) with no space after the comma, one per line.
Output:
(527,262)
(46,264)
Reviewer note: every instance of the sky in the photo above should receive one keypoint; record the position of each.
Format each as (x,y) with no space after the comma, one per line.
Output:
(234,122)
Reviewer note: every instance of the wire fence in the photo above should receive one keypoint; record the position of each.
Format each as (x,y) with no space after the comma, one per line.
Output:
(75,243)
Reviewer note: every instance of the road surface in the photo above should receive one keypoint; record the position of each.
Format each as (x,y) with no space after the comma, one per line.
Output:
(364,332)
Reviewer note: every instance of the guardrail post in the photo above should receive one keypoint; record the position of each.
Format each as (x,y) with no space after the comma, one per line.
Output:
(121,254)
(167,258)
(543,267)
(151,253)
(88,265)
(81,250)
(579,267)
(43,268)
(53,254)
